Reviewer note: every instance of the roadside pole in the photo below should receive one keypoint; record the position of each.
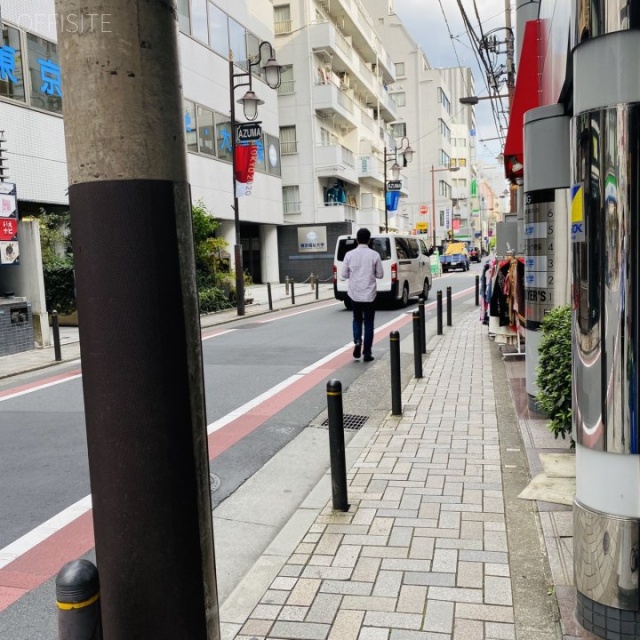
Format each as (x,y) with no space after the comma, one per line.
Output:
(140,333)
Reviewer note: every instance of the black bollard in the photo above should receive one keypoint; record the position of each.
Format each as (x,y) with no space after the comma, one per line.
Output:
(317,287)
(78,600)
(423,327)
(269,296)
(396,389)
(439,311)
(477,291)
(293,293)
(417,353)
(336,446)
(56,336)
(449,309)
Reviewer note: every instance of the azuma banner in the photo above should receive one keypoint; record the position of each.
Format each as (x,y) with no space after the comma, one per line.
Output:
(393,197)
(246,155)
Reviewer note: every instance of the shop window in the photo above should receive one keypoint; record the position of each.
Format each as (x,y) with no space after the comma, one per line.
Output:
(44,74)
(190,126)
(11,75)
(206,135)
(223,137)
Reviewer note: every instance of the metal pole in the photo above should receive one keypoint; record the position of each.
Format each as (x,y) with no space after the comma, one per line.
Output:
(336,446)
(423,328)
(417,355)
(56,335)
(433,203)
(286,285)
(312,280)
(237,250)
(477,291)
(293,293)
(317,287)
(269,296)
(386,213)
(144,406)
(439,311)
(449,309)
(78,601)
(396,390)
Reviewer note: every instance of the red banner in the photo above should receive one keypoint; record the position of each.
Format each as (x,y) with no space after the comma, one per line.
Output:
(8,228)
(246,155)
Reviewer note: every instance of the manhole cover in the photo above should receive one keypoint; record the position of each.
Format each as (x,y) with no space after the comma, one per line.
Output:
(214,482)
(351,421)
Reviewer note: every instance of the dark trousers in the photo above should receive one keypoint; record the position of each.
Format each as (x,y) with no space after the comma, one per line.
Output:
(363,315)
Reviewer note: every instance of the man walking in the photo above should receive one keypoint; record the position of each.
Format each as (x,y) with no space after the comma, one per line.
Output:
(361,267)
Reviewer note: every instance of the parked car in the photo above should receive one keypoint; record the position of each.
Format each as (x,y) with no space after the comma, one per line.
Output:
(455,256)
(406,263)
(474,254)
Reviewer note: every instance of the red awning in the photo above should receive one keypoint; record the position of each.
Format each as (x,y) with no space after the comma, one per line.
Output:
(526,96)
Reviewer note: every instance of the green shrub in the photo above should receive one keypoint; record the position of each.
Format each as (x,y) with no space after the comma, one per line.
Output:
(213,299)
(554,371)
(59,287)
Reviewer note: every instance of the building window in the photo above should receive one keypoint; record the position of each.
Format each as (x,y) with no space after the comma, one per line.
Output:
(206,135)
(462,162)
(253,51)
(199,20)
(399,129)
(223,137)
(11,74)
(445,132)
(288,142)
(218,31)
(443,100)
(282,19)
(444,159)
(399,69)
(190,125)
(291,200)
(400,99)
(184,22)
(238,43)
(44,74)
(287,83)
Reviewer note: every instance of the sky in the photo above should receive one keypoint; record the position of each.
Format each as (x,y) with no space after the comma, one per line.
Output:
(426,23)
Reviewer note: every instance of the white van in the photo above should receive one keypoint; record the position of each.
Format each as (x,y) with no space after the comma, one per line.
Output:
(406,264)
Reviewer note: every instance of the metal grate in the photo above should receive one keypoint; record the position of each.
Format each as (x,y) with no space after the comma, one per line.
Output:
(214,482)
(351,421)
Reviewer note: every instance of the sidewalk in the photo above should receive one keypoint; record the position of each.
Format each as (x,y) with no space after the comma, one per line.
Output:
(42,358)
(436,544)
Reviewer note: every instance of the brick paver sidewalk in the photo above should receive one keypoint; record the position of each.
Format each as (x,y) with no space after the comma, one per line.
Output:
(422,553)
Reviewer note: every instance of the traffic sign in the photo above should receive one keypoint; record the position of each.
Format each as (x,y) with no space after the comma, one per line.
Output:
(249,131)
(424,209)
(394,185)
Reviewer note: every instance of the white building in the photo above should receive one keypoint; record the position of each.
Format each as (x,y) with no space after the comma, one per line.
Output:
(32,100)
(426,114)
(334,115)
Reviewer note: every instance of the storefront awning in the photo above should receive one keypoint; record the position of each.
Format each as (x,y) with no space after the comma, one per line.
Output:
(526,96)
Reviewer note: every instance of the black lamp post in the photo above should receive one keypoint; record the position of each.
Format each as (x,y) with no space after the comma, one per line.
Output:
(395,170)
(250,103)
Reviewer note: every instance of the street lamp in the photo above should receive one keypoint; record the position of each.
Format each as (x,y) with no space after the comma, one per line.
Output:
(250,103)
(433,199)
(407,151)
(473,100)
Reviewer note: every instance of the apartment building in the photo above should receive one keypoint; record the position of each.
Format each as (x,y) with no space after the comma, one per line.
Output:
(335,109)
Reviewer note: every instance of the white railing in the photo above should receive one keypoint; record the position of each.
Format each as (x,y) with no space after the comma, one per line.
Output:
(282,26)
(287,87)
(345,101)
(347,157)
(288,148)
(291,207)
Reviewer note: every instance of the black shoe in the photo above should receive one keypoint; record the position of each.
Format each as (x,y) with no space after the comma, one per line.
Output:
(357,351)
(368,358)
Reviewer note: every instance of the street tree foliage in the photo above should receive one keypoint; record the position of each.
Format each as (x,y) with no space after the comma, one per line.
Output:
(216,282)
(554,371)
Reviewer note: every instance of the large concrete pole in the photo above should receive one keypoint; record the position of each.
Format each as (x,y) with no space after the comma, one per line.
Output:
(138,314)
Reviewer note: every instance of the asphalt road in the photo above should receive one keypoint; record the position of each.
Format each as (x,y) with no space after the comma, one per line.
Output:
(43,460)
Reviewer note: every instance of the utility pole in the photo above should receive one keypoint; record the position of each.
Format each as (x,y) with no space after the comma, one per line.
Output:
(139,323)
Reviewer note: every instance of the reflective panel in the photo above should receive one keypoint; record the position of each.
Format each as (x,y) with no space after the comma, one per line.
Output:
(598,17)
(606,278)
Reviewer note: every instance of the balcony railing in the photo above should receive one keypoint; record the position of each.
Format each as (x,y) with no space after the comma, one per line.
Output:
(287,87)
(288,148)
(282,26)
(291,207)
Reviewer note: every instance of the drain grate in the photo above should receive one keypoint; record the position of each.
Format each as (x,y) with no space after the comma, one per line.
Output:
(214,482)
(351,421)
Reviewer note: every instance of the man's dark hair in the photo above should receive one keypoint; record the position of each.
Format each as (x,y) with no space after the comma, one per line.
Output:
(363,236)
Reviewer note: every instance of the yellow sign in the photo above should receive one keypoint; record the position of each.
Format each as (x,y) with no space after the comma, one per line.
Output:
(422,226)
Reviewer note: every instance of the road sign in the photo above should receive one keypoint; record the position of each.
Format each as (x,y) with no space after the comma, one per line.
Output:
(422,226)
(249,131)
(424,209)
(394,185)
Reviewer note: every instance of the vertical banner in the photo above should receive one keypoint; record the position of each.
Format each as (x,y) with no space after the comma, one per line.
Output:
(246,155)
(9,247)
(393,197)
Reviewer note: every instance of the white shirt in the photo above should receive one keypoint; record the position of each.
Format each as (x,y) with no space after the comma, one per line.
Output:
(361,267)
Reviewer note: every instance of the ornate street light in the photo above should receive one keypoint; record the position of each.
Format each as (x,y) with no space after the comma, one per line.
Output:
(250,103)
(407,151)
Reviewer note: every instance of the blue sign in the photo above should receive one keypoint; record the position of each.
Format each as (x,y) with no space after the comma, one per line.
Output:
(50,76)
(7,63)
(393,197)
(226,140)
